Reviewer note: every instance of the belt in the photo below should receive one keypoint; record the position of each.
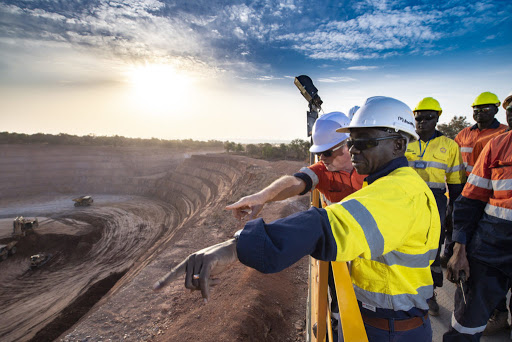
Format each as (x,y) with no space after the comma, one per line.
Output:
(399,325)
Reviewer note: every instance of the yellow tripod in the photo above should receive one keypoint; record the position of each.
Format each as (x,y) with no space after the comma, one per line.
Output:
(318,313)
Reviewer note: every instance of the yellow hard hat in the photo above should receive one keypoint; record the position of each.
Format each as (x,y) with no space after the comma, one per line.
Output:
(429,103)
(486,98)
(507,101)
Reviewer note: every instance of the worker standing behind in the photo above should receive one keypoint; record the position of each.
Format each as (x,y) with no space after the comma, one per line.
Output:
(389,229)
(436,158)
(482,232)
(499,317)
(334,176)
(485,108)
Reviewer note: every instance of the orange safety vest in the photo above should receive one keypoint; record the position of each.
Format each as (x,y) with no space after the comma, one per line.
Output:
(491,177)
(467,138)
(479,146)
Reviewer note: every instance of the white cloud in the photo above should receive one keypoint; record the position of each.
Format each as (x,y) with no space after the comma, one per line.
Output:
(362,67)
(336,79)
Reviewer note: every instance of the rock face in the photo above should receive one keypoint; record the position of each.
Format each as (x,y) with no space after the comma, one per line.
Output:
(151,208)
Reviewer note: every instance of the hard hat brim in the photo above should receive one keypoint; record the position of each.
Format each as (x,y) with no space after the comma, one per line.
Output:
(347,130)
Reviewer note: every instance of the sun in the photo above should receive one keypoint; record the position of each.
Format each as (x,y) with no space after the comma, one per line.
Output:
(156,87)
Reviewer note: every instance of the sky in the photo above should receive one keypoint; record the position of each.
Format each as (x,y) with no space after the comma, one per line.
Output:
(224,70)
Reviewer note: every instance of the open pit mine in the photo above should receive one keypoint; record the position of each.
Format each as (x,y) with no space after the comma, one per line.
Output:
(151,208)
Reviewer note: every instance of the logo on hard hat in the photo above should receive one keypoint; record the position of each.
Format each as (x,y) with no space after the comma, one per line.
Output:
(405,121)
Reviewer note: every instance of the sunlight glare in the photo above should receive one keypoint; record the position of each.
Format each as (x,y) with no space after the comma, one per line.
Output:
(159,88)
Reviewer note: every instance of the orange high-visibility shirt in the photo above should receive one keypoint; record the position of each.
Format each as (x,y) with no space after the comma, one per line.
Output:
(467,138)
(491,178)
(479,146)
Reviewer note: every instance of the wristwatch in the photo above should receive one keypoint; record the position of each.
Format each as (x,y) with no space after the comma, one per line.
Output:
(237,234)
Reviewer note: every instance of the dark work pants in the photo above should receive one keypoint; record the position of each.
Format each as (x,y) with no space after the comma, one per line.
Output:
(486,286)
(435,268)
(420,334)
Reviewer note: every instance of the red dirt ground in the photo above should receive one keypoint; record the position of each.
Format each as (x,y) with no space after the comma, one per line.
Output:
(152,208)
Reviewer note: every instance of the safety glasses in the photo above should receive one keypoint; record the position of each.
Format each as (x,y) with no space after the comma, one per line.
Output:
(425,117)
(483,110)
(364,144)
(329,153)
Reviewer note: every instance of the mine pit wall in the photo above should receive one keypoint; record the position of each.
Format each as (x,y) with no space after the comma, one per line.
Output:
(163,174)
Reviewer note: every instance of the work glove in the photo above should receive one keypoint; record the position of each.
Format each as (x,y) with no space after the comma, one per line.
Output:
(201,266)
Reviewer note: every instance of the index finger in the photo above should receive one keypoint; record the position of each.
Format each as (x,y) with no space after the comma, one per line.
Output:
(171,276)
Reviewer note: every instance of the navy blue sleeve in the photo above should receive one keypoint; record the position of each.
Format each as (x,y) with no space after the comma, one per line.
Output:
(466,214)
(272,247)
(454,190)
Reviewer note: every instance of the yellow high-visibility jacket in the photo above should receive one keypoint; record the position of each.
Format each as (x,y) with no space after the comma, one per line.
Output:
(389,229)
(398,235)
(440,164)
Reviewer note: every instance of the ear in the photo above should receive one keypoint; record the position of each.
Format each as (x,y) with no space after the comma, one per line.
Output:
(400,146)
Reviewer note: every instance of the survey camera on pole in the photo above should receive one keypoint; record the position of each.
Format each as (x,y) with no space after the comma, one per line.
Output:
(310,93)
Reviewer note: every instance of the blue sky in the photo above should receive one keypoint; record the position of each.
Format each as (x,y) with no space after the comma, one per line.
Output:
(224,69)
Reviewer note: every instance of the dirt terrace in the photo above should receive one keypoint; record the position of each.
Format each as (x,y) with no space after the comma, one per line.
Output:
(152,207)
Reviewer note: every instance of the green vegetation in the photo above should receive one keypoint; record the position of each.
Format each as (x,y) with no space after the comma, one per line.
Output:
(451,129)
(93,140)
(298,149)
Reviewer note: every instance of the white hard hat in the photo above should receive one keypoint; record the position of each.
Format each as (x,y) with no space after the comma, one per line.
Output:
(381,111)
(352,111)
(324,131)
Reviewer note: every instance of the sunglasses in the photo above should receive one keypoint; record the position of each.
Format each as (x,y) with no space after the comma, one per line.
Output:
(364,144)
(483,110)
(329,153)
(425,118)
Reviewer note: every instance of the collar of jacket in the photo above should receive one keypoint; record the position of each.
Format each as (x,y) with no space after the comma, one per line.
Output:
(387,169)
(495,124)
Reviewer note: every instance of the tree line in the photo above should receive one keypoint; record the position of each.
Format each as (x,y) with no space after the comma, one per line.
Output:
(94,140)
(297,149)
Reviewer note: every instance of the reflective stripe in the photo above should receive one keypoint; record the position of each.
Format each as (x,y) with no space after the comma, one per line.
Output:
(405,301)
(499,212)
(455,168)
(436,165)
(481,182)
(367,222)
(502,184)
(407,260)
(466,149)
(436,269)
(325,199)
(469,168)
(464,330)
(434,185)
(312,175)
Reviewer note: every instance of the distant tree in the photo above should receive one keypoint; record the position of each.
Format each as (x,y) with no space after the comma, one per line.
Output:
(451,129)
(229,146)
(239,148)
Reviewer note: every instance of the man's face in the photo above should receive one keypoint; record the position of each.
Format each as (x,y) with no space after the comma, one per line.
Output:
(509,116)
(339,160)
(368,160)
(484,113)
(426,121)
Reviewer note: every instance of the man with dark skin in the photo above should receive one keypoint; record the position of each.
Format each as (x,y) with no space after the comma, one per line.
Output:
(437,160)
(483,236)
(391,257)
(485,108)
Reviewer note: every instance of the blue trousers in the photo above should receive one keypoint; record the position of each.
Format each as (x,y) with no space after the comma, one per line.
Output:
(421,334)
(485,288)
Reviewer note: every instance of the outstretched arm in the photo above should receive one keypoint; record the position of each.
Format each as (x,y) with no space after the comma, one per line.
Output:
(200,266)
(249,207)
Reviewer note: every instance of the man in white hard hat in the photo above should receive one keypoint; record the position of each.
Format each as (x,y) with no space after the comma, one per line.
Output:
(389,230)
(333,175)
